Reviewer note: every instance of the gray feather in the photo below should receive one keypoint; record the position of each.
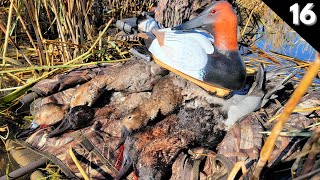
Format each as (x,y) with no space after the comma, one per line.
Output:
(241,105)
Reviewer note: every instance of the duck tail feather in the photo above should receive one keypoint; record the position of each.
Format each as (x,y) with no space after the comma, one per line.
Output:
(277,87)
(278,71)
(290,76)
(259,82)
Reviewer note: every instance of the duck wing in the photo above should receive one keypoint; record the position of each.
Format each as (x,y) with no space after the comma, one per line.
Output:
(245,104)
(276,84)
(186,52)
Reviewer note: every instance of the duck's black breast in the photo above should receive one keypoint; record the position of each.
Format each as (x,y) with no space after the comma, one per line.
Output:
(226,70)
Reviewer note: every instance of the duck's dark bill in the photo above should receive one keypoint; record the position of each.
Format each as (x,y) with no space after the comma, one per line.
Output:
(25,133)
(64,126)
(193,23)
(126,167)
(124,134)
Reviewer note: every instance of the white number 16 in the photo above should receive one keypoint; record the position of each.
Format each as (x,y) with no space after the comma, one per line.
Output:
(307,16)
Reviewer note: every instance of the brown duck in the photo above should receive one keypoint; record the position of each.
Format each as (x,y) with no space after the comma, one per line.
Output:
(165,97)
(152,151)
(48,115)
(134,76)
(82,116)
(77,118)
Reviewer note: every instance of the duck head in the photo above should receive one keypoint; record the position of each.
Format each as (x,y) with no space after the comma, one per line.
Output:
(49,114)
(130,123)
(218,19)
(77,118)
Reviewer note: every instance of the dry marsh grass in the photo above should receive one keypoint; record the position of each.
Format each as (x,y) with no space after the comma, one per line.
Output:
(40,36)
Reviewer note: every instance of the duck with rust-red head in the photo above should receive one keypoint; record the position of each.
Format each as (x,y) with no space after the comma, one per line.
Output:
(203,50)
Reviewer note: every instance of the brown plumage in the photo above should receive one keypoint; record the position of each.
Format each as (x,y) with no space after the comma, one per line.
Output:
(103,133)
(88,93)
(169,93)
(134,76)
(152,150)
(62,98)
(165,97)
(196,119)
(200,122)
(54,89)
(48,114)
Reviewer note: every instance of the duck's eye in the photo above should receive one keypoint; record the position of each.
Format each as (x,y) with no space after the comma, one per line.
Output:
(213,11)
(129,117)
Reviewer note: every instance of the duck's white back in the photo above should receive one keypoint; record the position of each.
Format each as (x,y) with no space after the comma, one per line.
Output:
(186,52)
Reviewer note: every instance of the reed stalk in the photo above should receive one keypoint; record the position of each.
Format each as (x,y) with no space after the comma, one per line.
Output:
(289,107)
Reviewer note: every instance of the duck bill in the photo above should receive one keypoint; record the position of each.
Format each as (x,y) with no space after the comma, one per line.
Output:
(124,134)
(126,167)
(199,21)
(26,133)
(193,23)
(64,126)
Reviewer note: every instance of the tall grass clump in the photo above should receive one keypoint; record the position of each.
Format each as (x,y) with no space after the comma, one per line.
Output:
(40,36)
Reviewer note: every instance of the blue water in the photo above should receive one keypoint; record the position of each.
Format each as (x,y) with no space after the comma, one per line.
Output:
(298,49)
